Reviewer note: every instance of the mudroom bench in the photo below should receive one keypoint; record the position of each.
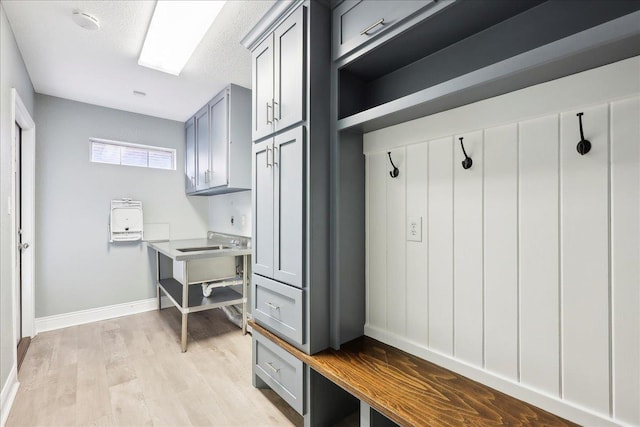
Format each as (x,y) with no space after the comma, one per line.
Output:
(409,391)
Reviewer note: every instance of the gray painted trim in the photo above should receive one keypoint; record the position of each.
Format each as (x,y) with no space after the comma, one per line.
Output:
(317,61)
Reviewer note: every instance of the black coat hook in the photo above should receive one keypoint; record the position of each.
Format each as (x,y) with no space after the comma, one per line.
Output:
(467,162)
(395,172)
(584,146)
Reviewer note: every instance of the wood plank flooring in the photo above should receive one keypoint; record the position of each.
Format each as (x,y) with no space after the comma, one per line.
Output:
(129,371)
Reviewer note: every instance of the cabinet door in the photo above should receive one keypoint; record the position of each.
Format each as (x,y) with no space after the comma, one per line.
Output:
(356,22)
(289,90)
(289,212)
(190,156)
(219,160)
(262,91)
(202,148)
(262,195)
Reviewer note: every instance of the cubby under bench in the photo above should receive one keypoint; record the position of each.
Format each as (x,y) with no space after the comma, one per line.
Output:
(404,389)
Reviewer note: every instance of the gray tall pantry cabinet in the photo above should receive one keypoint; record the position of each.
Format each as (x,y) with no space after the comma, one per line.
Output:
(290,180)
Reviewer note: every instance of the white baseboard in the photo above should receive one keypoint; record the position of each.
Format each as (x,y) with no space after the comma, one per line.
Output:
(549,403)
(8,394)
(81,317)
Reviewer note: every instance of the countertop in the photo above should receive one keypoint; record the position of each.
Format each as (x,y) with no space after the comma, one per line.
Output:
(171,248)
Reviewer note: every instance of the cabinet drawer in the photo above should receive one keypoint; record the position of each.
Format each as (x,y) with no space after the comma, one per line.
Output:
(357,21)
(278,307)
(283,372)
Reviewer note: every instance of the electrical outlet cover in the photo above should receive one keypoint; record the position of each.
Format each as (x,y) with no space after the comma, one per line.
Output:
(414,228)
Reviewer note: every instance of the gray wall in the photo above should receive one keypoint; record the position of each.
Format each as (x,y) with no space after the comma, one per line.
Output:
(76,267)
(224,206)
(13,74)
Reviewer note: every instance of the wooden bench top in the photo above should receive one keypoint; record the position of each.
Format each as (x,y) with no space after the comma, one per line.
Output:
(414,392)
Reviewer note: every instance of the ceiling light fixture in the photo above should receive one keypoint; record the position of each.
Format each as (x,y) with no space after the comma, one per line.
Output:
(85,20)
(176,29)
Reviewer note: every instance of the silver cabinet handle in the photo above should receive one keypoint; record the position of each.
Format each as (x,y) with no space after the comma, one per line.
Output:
(269,107)
(275,156)
(23,246)
(274,111)
(365,32)
(273,368)
(273,306)
(268,164)
(206,176)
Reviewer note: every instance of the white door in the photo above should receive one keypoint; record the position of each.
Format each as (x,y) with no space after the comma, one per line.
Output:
(23,250)
(23,219)
(18,214)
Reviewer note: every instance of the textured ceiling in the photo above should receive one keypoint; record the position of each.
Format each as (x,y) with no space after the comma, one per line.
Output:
(101,67)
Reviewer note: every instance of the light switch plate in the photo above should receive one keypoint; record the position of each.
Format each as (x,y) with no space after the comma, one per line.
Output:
(414,228)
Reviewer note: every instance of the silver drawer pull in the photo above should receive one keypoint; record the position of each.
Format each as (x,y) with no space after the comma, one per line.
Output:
(276,118)
(365,32)
(268,164)
(275,307)
(275,156)
(273,368)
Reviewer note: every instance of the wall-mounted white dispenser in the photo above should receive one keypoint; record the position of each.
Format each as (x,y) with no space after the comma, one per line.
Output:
(125,221)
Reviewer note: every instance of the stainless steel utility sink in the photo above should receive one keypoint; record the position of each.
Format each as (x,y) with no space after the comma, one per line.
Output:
(204,248)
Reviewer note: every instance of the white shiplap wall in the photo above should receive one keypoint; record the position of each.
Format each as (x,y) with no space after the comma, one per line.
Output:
(527,277)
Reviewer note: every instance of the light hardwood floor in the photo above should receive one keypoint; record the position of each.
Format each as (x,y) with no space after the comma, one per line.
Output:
(129,371)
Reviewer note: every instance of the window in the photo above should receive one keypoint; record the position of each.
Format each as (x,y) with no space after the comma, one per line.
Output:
(127,154)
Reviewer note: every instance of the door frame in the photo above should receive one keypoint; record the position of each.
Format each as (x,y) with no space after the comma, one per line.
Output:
(21,116)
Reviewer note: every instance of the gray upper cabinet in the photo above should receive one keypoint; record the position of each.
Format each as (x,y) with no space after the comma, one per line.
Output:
(279,77)
(190,156)
(278,199)
(202,149)
(356,22)
(218,150)
(217,175)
